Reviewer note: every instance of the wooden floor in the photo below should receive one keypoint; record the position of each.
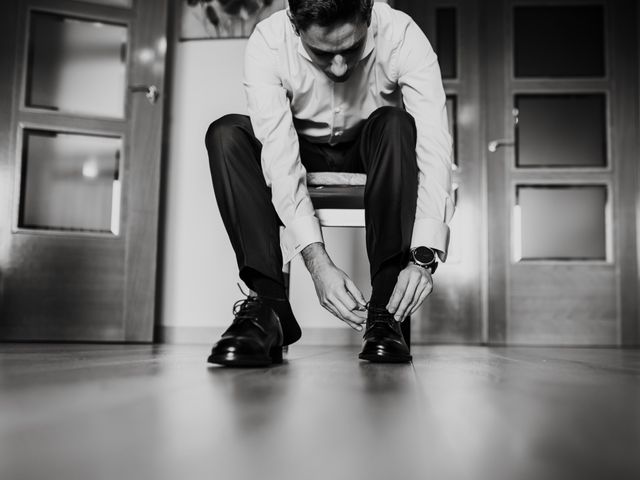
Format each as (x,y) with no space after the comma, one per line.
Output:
(115,412)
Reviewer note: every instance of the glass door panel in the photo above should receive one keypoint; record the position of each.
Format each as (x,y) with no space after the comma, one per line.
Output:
(446,43)
(76,66)
(70,182)
(561,130)
(560,222)
(559,41)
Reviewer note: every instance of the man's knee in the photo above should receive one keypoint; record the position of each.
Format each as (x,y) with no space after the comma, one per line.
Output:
(227,128)
(393,119)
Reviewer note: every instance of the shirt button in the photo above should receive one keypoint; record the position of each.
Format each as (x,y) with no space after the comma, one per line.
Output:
(337,110)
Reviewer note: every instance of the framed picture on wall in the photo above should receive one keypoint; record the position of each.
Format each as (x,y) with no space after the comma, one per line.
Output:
(210,19)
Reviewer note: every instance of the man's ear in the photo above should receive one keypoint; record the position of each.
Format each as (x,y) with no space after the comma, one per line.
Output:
(293,22)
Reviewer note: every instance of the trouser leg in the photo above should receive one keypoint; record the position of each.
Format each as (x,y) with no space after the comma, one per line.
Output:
(388,152)
(244,201)
(243,198)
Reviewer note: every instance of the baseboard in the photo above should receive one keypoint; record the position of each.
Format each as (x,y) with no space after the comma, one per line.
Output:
(208,335)
(186,335)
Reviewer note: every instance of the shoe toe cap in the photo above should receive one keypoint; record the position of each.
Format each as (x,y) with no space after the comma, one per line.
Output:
(385,349)
(238,346)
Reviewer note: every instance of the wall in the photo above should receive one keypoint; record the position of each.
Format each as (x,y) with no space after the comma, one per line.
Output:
(199,269)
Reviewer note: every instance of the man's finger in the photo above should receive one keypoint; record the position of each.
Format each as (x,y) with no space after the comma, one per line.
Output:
(343,298)
(414,300)
(355,293)
(344,313)
(355,325)
(407,298)
(331,309)
(345,303)
(420,291)
(396,296)
(423,295)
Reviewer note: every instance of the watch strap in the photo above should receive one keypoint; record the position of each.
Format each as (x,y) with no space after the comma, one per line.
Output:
(431,266)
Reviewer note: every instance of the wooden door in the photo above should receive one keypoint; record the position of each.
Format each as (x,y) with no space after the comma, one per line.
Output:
(562,127)
(542,97)
(80,136)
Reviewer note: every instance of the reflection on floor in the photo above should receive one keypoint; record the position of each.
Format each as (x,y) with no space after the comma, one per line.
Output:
(114,412)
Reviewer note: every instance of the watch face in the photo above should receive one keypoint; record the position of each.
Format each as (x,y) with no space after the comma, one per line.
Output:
(424,255)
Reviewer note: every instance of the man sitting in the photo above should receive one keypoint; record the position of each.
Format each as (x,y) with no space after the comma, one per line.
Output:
(343,86)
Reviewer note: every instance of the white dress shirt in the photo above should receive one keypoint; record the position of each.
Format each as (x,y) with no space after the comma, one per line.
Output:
(288,95)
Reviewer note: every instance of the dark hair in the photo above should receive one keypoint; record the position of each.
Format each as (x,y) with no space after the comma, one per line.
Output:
(305,13)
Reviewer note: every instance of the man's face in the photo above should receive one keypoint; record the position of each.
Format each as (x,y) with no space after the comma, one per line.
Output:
(337,48)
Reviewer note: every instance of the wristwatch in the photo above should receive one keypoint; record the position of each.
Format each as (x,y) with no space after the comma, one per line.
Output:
(425,257)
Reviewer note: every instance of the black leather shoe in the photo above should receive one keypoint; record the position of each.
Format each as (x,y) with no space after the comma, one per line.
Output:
(383,341)
(254,339)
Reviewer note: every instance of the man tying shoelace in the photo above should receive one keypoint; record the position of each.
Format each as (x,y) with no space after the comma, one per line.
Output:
(343,86)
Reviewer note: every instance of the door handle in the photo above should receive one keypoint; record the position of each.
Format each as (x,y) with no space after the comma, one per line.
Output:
(151,92)
(494,145)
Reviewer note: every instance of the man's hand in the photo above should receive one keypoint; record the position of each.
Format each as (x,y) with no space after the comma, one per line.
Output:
(413,286)
(336,291)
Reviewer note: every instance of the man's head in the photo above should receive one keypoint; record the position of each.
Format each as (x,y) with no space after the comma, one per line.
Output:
(333,32)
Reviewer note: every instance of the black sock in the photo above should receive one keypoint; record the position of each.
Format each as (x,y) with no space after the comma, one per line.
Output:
(384,282)
(267,287)
(275,295)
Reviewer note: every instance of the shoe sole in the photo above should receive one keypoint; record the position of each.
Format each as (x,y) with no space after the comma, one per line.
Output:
(385,358)
(230,359)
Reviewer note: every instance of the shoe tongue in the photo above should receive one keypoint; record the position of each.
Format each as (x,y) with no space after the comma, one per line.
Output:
(248,305)
(378,313)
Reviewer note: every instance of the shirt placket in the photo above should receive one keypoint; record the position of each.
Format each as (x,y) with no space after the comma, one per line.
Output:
(337,112)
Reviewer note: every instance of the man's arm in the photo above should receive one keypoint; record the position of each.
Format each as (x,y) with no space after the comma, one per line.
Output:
(423,95)
(271,118)
(336,291)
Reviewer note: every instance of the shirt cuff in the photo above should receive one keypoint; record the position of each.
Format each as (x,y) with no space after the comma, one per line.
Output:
(298,234)
(431,233)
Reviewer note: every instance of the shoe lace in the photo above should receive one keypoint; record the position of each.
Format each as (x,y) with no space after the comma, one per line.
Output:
(248,308)
(379,315)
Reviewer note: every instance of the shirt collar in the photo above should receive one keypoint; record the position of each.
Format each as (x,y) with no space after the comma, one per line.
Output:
(368,47)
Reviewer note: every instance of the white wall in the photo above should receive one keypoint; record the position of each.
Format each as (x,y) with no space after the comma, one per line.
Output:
(200,272)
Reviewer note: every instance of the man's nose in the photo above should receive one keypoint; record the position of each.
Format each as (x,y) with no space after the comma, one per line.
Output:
(338,66)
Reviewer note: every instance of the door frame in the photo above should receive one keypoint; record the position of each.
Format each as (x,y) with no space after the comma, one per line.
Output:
(455,311)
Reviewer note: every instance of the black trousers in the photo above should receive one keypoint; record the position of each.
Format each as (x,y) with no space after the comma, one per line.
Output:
(384,150)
